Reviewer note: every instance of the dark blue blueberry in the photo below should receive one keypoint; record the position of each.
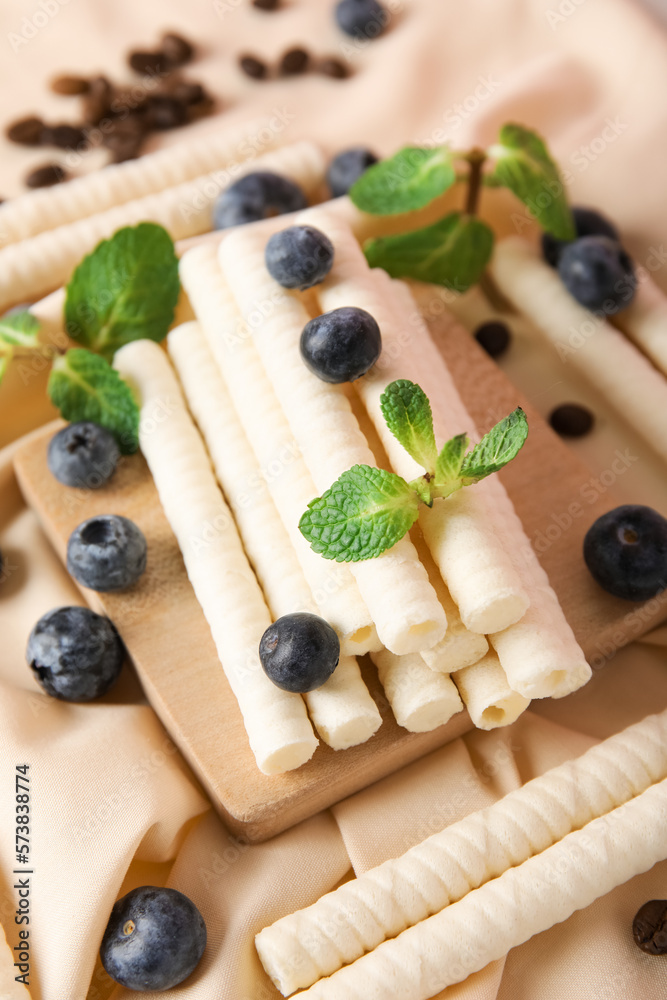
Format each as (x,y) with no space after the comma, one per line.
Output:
(299,652)
(587,222)
(107,552)
(361,18)
(83,455)
(341,345)
(257,196)
(626,552)
(346,169)
(154,939)
(299,257)
(598,273)
(75,654)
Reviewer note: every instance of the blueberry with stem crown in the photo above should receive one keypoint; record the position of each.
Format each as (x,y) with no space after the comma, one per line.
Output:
(598,273)
(626,552)
(346,169)
(106,552)
(299,257)
(257,196)
(83,455)
(299,652)
(341,345)
(587,222)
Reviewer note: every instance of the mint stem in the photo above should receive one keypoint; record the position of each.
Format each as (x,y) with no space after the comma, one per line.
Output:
(476,159)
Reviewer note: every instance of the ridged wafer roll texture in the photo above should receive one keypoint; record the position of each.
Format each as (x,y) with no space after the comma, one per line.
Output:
(36,211)
(39,264)
(299,949)
(342,710)
(420,698)
(283,469)
(633,387)
(460,533)
(279,732)
(645,322)
(486,694)
(395,586)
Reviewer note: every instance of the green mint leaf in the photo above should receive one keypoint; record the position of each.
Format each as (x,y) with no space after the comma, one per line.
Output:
(407,411)
(365,512)
(6,353)
(83,386)
(454,252)
(408,181)
(448,466)
(496,449)
(125,290)
(524,165)
(19,329)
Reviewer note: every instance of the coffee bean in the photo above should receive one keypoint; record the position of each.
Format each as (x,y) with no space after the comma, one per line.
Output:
(294,61)
(97,101)
(26,131)
(334,68)
(50,173)
(148,62)
(253,67)
(185,92)
(63,136)
(571,420)
(70,85)
(266,4)
(201,109)
(176,49)
(494,337)
(649,928)
(165,112)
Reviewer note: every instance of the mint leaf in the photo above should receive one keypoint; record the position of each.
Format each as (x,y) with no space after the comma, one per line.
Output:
(6,353)
(524,165)
(365,512)
(19,329)
(405,182)
(407,411)
(496,449)
(453,252)
(84,386)
(448,466)
(125,290)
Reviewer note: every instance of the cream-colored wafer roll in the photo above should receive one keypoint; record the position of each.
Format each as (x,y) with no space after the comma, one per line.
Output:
(39,264)
(543,891)
(460,534)
(645,322)
(486,694)
(342,710)
(602,354)
(281,464)
(46,208)
(420,698)
(395,586)
(299,949)
(279,732)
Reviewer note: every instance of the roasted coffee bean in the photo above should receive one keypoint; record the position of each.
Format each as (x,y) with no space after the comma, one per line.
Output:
(201,109)
(26,131)
(334,68)
(266,4)
(97,101)
(49,174)
(185,92)
(63,136)
(571,420)
(494,337)
(253,67)
(148,62)
(649,928)
(165,112)
(124,140)
(70,85)
(176,49)
(294,61)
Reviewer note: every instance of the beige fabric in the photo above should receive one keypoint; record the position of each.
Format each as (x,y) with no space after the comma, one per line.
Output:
(97,832)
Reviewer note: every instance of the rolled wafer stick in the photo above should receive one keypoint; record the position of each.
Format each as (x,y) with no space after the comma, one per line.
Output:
(486,693)
(644,321)
(604,356)
(395,586)
(299,949)
(342,710)
(545,890)
(279,732)
(41,263)
(36,211)
(283,469)
(420,698)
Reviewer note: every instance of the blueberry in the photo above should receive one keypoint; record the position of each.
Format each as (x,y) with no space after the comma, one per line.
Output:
(257,196)
(365,18)
(299,652)
(106,553)
(75,654)
(83,455)
(341,345)
(598,273)
(346,169)
(154,939)
(587,222)
(626,552)
(299,257)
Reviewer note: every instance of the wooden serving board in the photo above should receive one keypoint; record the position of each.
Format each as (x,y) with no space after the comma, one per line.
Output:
(170,643)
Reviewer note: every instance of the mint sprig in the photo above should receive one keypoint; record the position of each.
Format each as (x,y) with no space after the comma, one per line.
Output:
(368,510)
(19,329)
(405,182)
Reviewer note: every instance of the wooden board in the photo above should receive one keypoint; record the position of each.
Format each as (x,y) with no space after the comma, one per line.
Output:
(173,652)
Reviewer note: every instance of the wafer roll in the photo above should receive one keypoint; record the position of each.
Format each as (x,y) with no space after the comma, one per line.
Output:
(486,694)
(420,698)
(645,322)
